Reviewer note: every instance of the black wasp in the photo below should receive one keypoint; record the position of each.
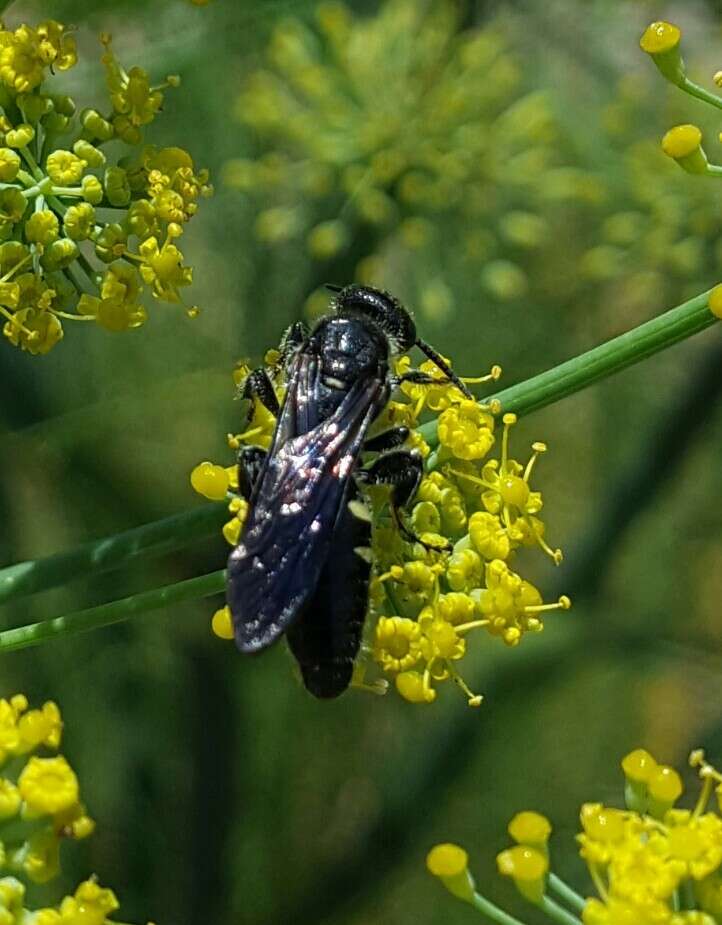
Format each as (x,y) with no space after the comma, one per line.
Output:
(301,566)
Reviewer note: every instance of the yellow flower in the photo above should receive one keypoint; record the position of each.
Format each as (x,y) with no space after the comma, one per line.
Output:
(12,205)
(397,643)
(530,829)
(42,227)
(527,867)
(415,687)
(34,330)
(488,536)
(79,221)
(48,785)
(162,268)
(9,165)
(511,605)
(450,864)
(683,143)
(41,727)
(26,52)
(91,905)
(661,42)
(64,167)
(222,624)
(466,431)
(38,857)
(211,481)
(118,307)
(130,93)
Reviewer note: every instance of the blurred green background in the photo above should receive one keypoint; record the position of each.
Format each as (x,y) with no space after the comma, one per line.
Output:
(497,167)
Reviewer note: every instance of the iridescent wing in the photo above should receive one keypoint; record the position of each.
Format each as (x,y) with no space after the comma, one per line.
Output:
(295,504)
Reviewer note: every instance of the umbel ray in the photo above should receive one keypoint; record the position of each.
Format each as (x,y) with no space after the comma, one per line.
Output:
(296,568)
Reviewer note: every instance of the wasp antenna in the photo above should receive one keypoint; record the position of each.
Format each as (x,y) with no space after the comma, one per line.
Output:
(332,287)
(443,366)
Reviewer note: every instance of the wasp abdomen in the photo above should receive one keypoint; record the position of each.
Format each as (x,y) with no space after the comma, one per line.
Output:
(327,635)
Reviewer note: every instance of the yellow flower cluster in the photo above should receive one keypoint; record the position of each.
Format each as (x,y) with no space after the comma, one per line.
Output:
(641,859)
(40,806)
(391,122)
(82,231)
(471,514)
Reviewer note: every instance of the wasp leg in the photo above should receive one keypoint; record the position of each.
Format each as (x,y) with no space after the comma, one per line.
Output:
(402,470)
(293,338)
(257,384)
(421,378)
(387,440)
(250,463)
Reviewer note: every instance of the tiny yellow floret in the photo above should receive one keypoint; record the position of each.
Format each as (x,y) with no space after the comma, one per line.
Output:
(222,623)
(530,829)
(48,785)
(447,860)
(660,37)
(527,867)
(210,480)
(665,785)
(449,863)
(639,766)
(681,141)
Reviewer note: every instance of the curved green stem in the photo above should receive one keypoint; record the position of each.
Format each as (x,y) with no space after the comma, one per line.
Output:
(493,912)
(548,387)
(602,361)
(558,913)
(700,93)
(563,890)
(22,637)
(152,539)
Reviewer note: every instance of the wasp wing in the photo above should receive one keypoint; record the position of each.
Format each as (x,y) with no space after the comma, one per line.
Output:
(294,507)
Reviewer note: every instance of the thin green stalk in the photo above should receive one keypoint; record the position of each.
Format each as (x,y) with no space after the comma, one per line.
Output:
(602,361)
(4,4)
(33,634)
(563,890)
(493,912)
(182,529)
(558,913)
(152,539)
(689,86)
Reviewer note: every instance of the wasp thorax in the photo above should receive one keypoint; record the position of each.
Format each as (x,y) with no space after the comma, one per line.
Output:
(384,310)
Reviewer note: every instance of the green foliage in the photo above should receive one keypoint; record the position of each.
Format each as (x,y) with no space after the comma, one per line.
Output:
(226,795)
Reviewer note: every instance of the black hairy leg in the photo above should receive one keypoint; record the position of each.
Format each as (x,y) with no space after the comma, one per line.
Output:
(387,440)
(402,470)
(258,385)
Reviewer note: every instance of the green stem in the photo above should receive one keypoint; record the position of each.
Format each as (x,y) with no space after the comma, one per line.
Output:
(693,89)
(537,392)
(33,634)
(558,913)
(4,4)
(493,912)
(152,539)
(602,361)
(563,890)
